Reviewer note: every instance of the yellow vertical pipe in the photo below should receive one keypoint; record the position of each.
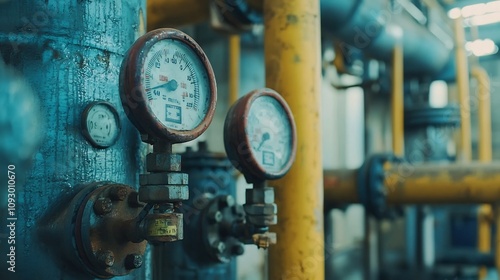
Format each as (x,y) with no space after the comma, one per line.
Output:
(484,113)
(292,53)
(485,155)
(497,238)
(234,68)
(171,13)
(397,106)
(463,91)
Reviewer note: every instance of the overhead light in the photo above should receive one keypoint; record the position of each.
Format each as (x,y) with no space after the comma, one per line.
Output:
(483,19)
(481,47)
(473,10)
(478,14)
(454,13)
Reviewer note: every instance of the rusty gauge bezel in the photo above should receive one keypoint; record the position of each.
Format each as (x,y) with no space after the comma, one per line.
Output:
(133,91)
(237,141)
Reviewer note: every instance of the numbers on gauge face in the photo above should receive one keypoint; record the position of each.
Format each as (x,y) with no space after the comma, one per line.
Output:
(270,134)
(176,85)
(101,124)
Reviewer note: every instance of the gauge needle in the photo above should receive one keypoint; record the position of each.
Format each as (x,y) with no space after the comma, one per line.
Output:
(265,137)
(169,86)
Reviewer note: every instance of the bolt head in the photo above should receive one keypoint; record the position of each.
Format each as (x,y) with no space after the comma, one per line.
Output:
(103,206)
(215,217)
(238,249)
(118,193)
(226,201)
(219,247)
(133,261)
(106,258)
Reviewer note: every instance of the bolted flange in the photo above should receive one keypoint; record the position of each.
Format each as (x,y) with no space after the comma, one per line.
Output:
(101,243)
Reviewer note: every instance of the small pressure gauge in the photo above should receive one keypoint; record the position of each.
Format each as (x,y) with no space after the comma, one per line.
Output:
(167,86)
(100,124)
(260,136)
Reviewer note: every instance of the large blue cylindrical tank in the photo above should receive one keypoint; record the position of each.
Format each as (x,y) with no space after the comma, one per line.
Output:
(70,52)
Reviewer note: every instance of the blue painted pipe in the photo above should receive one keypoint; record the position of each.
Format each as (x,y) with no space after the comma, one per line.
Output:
(372,27)
(70,52)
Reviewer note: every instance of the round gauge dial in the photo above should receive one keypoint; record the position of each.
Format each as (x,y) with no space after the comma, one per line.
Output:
(259,135)
(168,86)
(101,124)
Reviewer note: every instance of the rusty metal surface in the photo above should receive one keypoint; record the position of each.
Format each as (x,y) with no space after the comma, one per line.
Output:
(70,52)
(133,93)
(99,237)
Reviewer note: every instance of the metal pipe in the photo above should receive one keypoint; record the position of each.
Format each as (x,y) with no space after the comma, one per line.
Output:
(485,155)
(341,184)
(292,54)
(497,238)
(371,26)
(484,220)
(424,184)
(484,113)
(171,13)
(397,107)
(234,68)
(463,91)
(71,53)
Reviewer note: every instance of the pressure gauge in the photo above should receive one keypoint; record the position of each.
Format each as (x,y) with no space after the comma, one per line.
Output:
(167,86)
(260,136)
(100,124)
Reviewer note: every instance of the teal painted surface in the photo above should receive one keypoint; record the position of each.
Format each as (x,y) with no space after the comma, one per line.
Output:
(70,52)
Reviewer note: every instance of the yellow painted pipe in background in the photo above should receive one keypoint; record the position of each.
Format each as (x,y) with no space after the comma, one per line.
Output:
(463,91)
(485,211)
(484,113)
(497,238)
(428,183)
(397,106)
(342,182)
(234,68)
(173,13)
(293,68)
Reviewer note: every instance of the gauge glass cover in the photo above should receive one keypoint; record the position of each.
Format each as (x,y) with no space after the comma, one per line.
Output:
(176,85)
(270,134)
(101,125)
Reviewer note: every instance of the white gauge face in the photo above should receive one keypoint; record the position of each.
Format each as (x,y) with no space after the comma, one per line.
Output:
(176,84)
(270,134)
(102,125)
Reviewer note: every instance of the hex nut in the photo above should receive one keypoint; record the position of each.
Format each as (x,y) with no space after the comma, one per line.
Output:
(163,193)
(215,217)
(260,195)
(164,178)
(226,201)
(161,162)
(118,193)
(103,206)
(265,220)
(219,247)
(106,258)
(238,249)
(261,209)
(133,261)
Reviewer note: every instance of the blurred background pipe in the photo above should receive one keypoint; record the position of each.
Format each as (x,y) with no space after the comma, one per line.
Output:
(431,183)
